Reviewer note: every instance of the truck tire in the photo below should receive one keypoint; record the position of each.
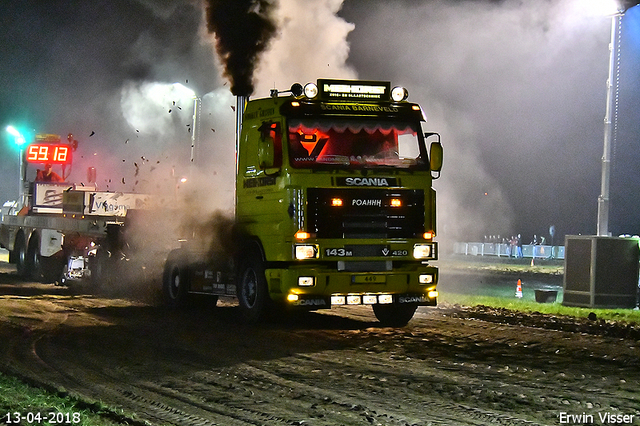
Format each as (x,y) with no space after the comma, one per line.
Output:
(33,263)
(20,255)
(50,269)
(394,315)
(175,281)
(103,270)
(252,290)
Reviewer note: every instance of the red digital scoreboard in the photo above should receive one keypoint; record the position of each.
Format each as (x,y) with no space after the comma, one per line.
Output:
(52,153)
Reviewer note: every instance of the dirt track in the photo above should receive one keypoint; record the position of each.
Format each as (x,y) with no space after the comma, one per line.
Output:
(200,367)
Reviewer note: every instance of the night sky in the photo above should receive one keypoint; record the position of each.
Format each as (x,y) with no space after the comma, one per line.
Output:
(517,90)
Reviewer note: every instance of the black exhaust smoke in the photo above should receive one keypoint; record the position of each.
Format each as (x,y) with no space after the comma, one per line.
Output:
(243,29)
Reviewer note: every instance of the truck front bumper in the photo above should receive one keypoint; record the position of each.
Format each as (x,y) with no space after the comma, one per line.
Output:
(319,286)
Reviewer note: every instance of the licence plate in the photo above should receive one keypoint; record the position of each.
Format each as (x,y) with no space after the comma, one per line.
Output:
(368,279)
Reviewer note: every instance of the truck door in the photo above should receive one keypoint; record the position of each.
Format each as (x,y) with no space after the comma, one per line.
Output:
(261,208)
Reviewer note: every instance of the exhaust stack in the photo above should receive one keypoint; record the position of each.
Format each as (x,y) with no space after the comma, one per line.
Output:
(241,102)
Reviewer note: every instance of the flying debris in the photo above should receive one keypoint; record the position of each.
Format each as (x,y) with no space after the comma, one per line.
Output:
(123,181)
(213,130)
(127,141)
(92,133)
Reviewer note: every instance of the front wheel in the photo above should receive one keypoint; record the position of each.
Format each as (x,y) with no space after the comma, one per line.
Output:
(252,291)
(175,281)
(394,315)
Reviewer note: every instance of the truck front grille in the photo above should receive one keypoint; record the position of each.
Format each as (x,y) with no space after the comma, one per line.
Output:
(365,213)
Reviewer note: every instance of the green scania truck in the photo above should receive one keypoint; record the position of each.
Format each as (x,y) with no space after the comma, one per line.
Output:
(334,206)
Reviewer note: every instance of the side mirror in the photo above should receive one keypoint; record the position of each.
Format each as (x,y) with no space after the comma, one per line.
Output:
(435,155)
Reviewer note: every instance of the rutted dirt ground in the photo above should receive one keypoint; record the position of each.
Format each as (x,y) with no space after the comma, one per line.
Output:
(450,366)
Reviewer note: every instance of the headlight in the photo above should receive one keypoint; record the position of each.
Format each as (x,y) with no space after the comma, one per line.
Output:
(369,299)
(354,299)
(310,90)
(306,281)
(306,251)
(425,279)
(423,251)
(399,94)
(338,300)
(385,299)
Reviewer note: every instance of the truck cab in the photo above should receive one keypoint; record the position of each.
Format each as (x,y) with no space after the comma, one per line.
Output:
(334,204)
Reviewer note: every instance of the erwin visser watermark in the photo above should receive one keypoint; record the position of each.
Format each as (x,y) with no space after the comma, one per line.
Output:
(601,418)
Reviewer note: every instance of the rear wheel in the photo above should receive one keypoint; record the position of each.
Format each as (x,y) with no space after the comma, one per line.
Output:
(50,269)
(394,315)
(103,269)
(33,263)
(20,255)
(175,281)
(252,291)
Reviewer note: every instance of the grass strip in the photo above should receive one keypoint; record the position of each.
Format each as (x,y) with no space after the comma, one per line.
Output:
(528,305)
(22,404)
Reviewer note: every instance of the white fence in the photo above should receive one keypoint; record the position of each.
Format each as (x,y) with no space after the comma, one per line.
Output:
(506,250)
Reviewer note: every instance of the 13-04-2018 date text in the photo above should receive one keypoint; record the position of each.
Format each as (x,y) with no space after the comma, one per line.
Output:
(36,418)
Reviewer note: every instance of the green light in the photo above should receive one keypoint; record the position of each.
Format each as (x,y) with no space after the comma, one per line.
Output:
(18,138)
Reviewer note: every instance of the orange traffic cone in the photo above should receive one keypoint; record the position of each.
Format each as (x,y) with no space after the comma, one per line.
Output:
(519,290)
(532,261)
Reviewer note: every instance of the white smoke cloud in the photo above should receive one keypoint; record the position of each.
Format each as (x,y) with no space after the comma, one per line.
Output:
(514,87)
(311,44)
(155,108)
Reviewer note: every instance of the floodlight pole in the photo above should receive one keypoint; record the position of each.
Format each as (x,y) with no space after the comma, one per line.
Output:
(21,200)
(20,141)
(194,130)
(612,100)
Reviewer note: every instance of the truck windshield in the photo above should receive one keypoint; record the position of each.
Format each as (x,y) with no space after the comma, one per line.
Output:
(357,143)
